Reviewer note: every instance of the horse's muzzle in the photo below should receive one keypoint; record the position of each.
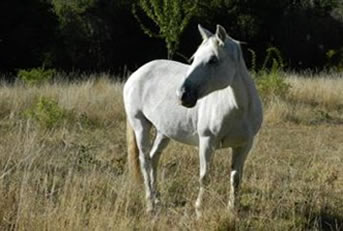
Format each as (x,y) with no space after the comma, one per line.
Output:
(187,97)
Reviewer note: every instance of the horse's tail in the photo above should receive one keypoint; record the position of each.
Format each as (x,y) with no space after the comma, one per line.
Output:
(133,153)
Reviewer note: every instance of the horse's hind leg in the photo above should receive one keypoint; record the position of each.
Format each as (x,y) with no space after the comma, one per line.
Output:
(239,156)
(142,131)
(160,143)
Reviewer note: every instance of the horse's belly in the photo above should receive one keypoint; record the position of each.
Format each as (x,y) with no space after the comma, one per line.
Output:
(233,141)
(190,140)
(175,121)
(180,134)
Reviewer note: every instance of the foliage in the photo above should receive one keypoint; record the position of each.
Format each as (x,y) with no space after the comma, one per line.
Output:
(77,29)
(96,35)
(99,35)
(36,76)
(273,56)
(270,81)
(46,112)
(335,59)
(253,65)
(171,17)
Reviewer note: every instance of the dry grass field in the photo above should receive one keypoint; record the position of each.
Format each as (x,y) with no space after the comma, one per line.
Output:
(63,164)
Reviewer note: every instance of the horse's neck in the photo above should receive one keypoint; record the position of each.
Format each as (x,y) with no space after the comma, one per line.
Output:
(247,98)
(244,90)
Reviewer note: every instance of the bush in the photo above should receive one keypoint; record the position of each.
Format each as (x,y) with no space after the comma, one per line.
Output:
(270,81)
(36,76)
(47,112)
(335,60)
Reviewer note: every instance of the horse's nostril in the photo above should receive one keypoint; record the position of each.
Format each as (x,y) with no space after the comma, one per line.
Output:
(180,93)
(186,93)
(188,98)
(184,96)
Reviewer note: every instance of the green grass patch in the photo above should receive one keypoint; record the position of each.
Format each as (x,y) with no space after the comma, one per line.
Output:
(46,112)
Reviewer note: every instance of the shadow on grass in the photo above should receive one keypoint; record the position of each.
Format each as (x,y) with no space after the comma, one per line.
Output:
(325,221)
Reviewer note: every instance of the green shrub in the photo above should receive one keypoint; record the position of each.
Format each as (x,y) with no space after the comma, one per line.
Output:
(36,76)
(273,59)
(335,60)
(271,83)
(47,112)
(270,79)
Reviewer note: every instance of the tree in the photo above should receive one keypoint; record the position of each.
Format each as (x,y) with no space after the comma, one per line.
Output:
(170,16)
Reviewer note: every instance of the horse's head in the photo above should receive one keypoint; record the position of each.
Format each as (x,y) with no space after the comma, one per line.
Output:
(214,66)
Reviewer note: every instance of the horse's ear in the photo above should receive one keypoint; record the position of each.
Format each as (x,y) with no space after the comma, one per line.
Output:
(221,33)
(205,34)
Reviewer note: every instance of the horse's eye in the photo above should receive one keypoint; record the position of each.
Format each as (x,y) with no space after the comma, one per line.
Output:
(213,60)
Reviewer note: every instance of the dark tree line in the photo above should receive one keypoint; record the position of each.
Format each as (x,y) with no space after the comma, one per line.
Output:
(105,35)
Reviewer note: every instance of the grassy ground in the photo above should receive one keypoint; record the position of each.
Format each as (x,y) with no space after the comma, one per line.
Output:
(63,164)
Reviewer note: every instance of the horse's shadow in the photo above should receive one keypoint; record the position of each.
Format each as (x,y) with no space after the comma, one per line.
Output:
(325,221)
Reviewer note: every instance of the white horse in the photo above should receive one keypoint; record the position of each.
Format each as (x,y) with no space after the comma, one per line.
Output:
(212,103)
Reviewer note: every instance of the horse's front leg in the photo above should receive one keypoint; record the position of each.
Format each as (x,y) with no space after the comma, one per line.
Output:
(239,156)
(206,148)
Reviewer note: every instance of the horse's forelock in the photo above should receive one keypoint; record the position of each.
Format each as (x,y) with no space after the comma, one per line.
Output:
(190,60)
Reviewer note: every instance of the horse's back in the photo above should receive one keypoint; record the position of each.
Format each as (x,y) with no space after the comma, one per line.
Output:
(154,76)
(151,91)
(153,81)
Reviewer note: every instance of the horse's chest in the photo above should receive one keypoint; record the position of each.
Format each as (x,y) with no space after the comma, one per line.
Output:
(232,130)
(237,136)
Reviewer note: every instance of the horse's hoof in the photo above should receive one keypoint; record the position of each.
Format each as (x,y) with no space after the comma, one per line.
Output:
(150,208)
(157,202)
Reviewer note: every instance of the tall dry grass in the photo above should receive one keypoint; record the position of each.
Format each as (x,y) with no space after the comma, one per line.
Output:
(311,100)
(73,176)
